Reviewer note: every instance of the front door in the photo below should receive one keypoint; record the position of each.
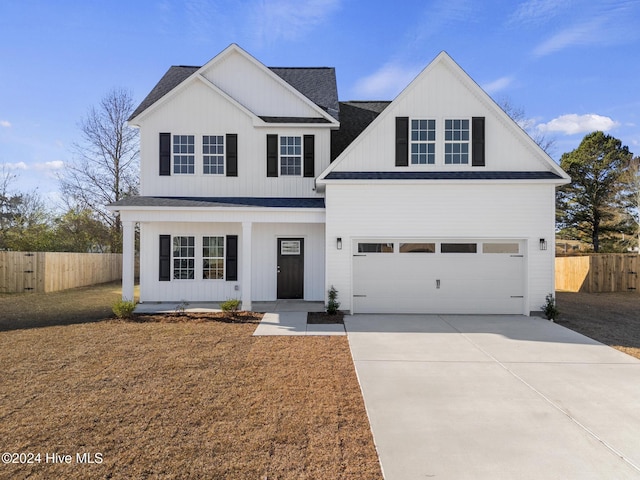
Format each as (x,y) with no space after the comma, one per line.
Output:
(290,268)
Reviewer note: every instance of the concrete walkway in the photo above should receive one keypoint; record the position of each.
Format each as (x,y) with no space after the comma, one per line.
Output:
(282,317)
(495,397)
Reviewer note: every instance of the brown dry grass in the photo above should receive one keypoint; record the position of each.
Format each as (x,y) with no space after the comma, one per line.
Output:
(183,398)
(610,318)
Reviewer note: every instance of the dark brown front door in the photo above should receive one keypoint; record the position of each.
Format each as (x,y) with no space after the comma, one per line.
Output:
(290,268)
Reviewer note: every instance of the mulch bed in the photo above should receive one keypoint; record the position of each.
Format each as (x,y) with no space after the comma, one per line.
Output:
(320,318)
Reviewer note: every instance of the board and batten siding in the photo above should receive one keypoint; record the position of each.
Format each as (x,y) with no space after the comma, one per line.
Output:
(442,94)
(264,268)
(264,251)
(260,91)
(442,212)
(199,110)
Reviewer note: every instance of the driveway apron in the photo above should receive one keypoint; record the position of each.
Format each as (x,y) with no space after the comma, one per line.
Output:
(495,397)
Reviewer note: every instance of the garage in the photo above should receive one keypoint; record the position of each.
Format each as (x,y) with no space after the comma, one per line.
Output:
(439,276)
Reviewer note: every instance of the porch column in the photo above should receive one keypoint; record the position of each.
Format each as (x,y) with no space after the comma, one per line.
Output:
(128,260)
(246,266)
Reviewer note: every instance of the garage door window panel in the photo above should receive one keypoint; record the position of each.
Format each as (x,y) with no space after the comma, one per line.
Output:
(417,248)
(512,248)
(459,248)
(375,247)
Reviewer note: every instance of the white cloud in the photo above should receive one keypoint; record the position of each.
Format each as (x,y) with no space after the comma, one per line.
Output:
(497,85)
(16,166)
(387,82)
(537,11)
(288,19)
(588,33)
(5,123)
(573,123)
(53,165)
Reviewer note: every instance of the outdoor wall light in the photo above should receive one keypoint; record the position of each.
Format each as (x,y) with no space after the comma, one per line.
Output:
(339,243)
(543,244)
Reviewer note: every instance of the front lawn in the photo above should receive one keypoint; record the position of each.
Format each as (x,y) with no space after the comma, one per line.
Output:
(610,318)
(180,399)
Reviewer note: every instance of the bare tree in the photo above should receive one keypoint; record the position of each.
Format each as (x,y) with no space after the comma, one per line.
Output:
(633,179)
(518,115)
(105,169)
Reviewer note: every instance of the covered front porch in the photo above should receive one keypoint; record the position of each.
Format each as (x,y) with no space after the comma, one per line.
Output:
(258,230)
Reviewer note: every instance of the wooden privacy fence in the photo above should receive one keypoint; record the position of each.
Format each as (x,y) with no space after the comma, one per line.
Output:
(53,271)
(615,272)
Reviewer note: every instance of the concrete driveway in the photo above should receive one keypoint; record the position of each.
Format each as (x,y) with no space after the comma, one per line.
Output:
(495,397)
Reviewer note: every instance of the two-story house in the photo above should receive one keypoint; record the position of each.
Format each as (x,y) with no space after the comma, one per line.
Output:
(256,183)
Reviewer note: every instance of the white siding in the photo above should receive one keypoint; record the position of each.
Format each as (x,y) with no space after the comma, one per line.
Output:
(265,249)
(198,110)
(260,91)
(460,211)
(263,254)
(442,92)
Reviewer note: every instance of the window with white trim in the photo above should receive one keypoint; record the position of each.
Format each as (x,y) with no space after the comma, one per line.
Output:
(184,154)
(213,154)
(456,142)
(213,258)
(423,142)
(184,253)
(291,156)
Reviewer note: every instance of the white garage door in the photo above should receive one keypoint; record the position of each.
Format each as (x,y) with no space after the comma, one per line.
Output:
(461,276)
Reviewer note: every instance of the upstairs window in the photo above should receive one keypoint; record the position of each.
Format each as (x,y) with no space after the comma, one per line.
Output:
(184,154)
(456,142)
(423,142)
(291,156)
(213,154)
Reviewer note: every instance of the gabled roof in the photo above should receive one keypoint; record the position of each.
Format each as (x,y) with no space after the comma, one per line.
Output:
(318,84)
(355,116)
(171,79)
(360,157)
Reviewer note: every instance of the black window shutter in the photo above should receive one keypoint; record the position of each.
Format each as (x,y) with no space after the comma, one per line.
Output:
(231,266)
(272,155)
(477,142)
(309,155)
(165,154)
(232,154)
(165,258)
(402,141)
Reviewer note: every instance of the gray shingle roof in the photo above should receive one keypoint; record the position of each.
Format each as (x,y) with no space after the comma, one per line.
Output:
(467,175)
(189,202)
(355,116)
(317,84)
(170,80)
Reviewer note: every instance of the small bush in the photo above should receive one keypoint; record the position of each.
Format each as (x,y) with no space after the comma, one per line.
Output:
(181,307)
(230,306)
(550,309)
(123,309)
(333,304)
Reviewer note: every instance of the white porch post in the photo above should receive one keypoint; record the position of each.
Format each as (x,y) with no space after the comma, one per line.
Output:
(128,260)
(246,266)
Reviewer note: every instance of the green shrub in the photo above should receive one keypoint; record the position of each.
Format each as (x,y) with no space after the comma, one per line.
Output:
(550,309)
(230,306)
(333,304)
(123,309)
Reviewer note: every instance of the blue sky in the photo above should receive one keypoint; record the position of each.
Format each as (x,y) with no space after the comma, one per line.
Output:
(573,65)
